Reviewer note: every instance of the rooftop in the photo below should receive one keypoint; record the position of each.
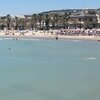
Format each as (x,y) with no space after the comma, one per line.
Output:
(83,14)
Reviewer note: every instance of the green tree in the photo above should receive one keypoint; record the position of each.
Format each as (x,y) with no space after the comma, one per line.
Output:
(21,23)
(54,20)
(47,20)
(40,19)
(16,23)
(8,21)
(34,21)
(65,20)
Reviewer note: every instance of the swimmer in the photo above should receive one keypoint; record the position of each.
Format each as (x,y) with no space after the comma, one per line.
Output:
(56,38)
(9,48)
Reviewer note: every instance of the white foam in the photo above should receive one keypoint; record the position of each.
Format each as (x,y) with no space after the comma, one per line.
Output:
(29,39)
(76,40)
(7,39)
(1,39)
(90,58)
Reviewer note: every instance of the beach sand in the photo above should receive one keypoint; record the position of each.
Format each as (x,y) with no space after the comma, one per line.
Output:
(43,35)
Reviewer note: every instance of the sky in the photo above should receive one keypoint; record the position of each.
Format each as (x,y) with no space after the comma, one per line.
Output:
(21,7)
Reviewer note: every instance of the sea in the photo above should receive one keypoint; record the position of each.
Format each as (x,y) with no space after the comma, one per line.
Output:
(47,69)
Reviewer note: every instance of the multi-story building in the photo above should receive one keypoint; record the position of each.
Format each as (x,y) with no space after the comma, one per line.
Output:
(84,19)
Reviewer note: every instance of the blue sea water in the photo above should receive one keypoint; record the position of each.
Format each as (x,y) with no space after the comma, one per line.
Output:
(49,70)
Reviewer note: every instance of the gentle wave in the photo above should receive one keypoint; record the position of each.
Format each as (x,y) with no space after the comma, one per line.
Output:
(1,39)
(19,39)
(90,58)
(76,40)
(28,39)
(6,39)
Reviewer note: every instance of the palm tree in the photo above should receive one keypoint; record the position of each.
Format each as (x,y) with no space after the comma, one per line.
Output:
(16,23)
(40,19)
(60,21)
(8,21)
(21,23)
(47,20)
(34,21)
(54,20)
(65,20)
(2,23)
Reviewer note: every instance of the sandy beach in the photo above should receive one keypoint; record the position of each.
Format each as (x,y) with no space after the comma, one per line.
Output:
(44,35)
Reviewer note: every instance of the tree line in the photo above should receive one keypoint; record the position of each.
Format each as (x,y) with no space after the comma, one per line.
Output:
(35,21)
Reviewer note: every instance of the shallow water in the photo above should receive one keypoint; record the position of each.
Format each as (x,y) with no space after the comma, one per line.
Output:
(49,70)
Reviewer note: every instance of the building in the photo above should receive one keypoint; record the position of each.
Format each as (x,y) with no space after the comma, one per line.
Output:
(83,19)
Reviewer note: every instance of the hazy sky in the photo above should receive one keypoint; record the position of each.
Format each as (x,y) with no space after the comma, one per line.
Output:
(20,7)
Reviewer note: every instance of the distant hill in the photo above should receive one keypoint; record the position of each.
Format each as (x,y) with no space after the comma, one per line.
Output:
(66,11)
(62,11)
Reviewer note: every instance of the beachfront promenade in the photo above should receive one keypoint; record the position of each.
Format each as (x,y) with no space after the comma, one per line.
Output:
(88,34)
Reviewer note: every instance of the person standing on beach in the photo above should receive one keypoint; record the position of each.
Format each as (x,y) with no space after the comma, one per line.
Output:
(56,37)
(95,33)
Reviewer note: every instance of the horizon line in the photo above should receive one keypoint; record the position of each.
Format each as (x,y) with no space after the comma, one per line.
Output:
(30,13)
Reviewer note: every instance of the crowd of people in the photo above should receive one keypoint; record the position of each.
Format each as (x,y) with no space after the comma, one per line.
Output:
(76,32)
(64,32)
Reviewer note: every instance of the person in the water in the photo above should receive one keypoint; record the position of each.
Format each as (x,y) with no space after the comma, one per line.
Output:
(56,37)
(9,48)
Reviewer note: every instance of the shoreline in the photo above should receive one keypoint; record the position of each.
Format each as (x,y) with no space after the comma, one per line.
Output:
(51,37)
(46,35)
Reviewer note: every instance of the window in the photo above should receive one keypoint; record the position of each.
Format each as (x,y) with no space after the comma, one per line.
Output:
(80,19)
(91,20)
